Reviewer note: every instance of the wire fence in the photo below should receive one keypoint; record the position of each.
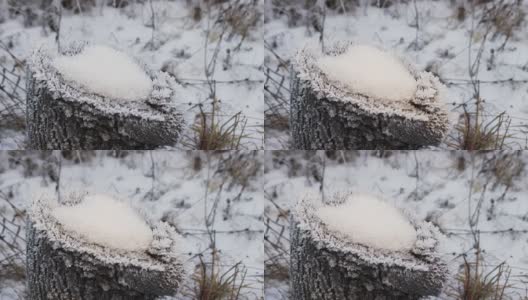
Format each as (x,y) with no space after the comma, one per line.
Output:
(277,242)
(276,90)
(12,236)
(12,89)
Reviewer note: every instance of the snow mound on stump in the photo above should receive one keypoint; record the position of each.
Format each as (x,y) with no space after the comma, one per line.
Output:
(368,220)
(306,215)
(88,270)
(359,271)
(327,114)
(62,114)
(106,71)
(370,71)
(107,222)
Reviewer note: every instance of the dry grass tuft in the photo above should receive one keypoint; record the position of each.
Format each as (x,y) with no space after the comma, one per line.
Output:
(211,132)
(505,16)
(235,17)
(12,271)
(476,283)
(506,167)
(241,167)
(277,272)
(277,121)
(211,283)
(473,132)
(242,17)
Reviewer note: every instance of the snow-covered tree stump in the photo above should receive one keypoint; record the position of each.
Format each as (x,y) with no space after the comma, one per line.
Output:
(328,114)
(64,114)
(328,265)
(62,264)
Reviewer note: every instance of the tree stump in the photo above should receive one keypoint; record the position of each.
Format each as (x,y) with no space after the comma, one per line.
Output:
(326,265)
(61,265)
(63,115)
(327,115)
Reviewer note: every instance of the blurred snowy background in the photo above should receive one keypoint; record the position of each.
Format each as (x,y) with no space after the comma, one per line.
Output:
(214,199)
(213,48)
(477,199)
(478,49)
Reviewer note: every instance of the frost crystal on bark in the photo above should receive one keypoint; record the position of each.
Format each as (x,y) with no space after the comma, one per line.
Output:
(61,265)
(326,114)
(328,265)
(62,114)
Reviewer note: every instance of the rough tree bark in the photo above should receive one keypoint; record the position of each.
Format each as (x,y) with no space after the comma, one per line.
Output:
(326,266)
(62,115)
(328,115)
(61,266)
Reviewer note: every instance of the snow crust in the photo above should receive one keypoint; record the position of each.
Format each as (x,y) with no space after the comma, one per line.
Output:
(106,71)
(370,221)
(370,71)
(105,221)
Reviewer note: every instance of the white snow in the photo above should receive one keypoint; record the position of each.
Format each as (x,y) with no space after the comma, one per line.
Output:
(107,72)
(177,47)
(370,71)
(441,46)
(105,221)
(370,221)
(439,194)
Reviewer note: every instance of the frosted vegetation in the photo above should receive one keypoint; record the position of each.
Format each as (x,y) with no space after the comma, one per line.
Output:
(107,72)
(475,48)
(370,71)
(475,199)
(105,221)
(192,192)
(370,221)
(213,50)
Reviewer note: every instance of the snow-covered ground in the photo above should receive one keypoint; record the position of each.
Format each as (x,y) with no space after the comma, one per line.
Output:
(180,43)
(183,189)
(449,188)
(445,42)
